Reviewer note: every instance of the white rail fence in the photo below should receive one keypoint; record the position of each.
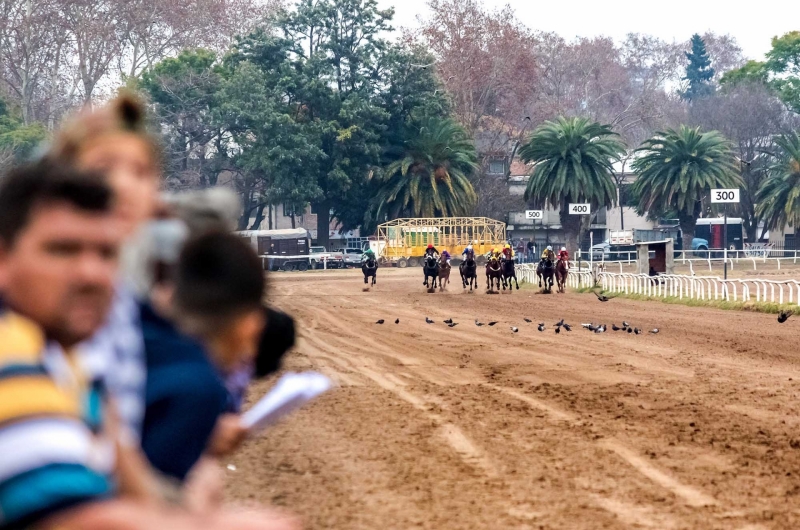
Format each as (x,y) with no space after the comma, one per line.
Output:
(680,286)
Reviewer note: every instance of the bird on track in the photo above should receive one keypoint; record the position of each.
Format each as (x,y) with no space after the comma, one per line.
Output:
(397,321)
(448,321)
(637,331)
(602,297)
(541,327)
(493,323)
(528,320)
(452,324)
(654,331)
(514,329)
(615,327)
(625,324)
(630,330)
(587,326)
(559,323)
(558,329)
(478,323)
(381,321)
(567,327)
(428,320)
(784,316)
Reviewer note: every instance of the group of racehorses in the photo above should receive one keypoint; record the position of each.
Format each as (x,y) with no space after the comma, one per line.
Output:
(500,272)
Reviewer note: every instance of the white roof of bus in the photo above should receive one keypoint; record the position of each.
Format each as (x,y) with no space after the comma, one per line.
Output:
(287,233)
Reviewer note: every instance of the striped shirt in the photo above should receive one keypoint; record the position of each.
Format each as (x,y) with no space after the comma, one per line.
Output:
(115,355)
(52,453)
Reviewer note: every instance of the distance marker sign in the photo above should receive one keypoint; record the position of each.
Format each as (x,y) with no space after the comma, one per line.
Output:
(534,214)
(724,196)
(580,209)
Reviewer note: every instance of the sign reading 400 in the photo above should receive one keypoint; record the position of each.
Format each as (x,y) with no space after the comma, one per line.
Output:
(580,209)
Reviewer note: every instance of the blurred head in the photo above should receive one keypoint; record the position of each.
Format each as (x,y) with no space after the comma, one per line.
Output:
(549,247)
(113,141)
(564,249)
(219,287)
(59,246)
(430,245)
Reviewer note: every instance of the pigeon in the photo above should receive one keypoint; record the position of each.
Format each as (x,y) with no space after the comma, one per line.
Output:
(528,320)
(784,316)
(492,323)
(428,320)
(452,324)
(448,321)
(381,321)
(654,331)
(558,329)
(559,323)
(514,329)
(625,324)
(592,327)
(630,330)
(478,323)
(599,329)
(397,321)
(615,327)
(587,326)
(567,327)
(637,331)
(600,296)
(541,327)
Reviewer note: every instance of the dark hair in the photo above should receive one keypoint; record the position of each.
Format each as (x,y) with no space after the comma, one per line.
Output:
(218,277)
(42,184)
(277,338)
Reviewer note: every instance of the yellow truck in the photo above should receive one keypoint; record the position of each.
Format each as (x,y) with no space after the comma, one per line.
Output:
(403,241)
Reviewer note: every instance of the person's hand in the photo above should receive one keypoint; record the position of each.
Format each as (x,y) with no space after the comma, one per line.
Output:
(255,519)
(229,433)
(204,488)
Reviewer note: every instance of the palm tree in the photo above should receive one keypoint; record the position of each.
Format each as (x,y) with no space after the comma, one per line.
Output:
(573,163)
(431,177)
(676,170)
(778,198)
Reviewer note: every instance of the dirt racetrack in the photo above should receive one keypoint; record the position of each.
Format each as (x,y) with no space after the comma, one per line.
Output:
(482,428)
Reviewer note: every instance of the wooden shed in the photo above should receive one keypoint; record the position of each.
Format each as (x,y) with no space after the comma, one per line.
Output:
(655,256)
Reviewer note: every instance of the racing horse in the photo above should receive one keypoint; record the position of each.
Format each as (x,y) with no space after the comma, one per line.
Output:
(494,271)
(370,269)
(545,272)
(509,273)
(469,271)
(444,273)
(431,269)
(562,271)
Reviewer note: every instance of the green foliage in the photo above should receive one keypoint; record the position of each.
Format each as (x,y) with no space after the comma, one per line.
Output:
(752,71)
(431,179)
(18,140)
(699,72)
(676,170)
(573,160)
(778,199)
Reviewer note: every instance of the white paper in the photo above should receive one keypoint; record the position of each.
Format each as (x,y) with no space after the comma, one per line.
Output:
(291,392)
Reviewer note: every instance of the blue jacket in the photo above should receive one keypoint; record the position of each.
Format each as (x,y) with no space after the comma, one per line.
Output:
(184,397)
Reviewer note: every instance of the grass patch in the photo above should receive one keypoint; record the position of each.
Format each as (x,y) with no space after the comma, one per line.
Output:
(756,307)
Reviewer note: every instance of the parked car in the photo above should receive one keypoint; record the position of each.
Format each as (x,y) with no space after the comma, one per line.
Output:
(352,256)
(601,251)
(318,257)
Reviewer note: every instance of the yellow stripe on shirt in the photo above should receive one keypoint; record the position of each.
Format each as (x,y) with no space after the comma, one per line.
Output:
(21,341)
(33,395)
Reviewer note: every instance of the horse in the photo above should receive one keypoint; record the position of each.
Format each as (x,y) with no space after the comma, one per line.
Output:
(431,268)
(469,271)
(494,271)
(444,272)
(509,273)
(545,272)
(562,271)
(370,268)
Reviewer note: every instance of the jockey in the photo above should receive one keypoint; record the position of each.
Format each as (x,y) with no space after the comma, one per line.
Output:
(446,256)
(508,252)
(467,251)
(563,255)
(368,255)
(548,254)
(431,251)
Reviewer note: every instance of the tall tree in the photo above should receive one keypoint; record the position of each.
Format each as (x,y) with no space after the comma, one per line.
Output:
(676,170)
(431,179)
(750,115)
(573,162)
(17,140)
(779,196)
(699,72)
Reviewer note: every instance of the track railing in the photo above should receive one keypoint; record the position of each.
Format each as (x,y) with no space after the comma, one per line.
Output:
(702,287)
(576,279)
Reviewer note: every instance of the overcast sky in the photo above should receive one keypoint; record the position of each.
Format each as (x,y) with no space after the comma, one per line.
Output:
(753,24)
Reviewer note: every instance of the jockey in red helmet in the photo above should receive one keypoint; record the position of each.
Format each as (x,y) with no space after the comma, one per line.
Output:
(431,251)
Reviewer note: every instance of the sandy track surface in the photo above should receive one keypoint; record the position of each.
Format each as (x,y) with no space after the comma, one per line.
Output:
(479,427)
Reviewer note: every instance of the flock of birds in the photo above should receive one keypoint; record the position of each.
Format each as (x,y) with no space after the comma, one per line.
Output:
(602,328)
